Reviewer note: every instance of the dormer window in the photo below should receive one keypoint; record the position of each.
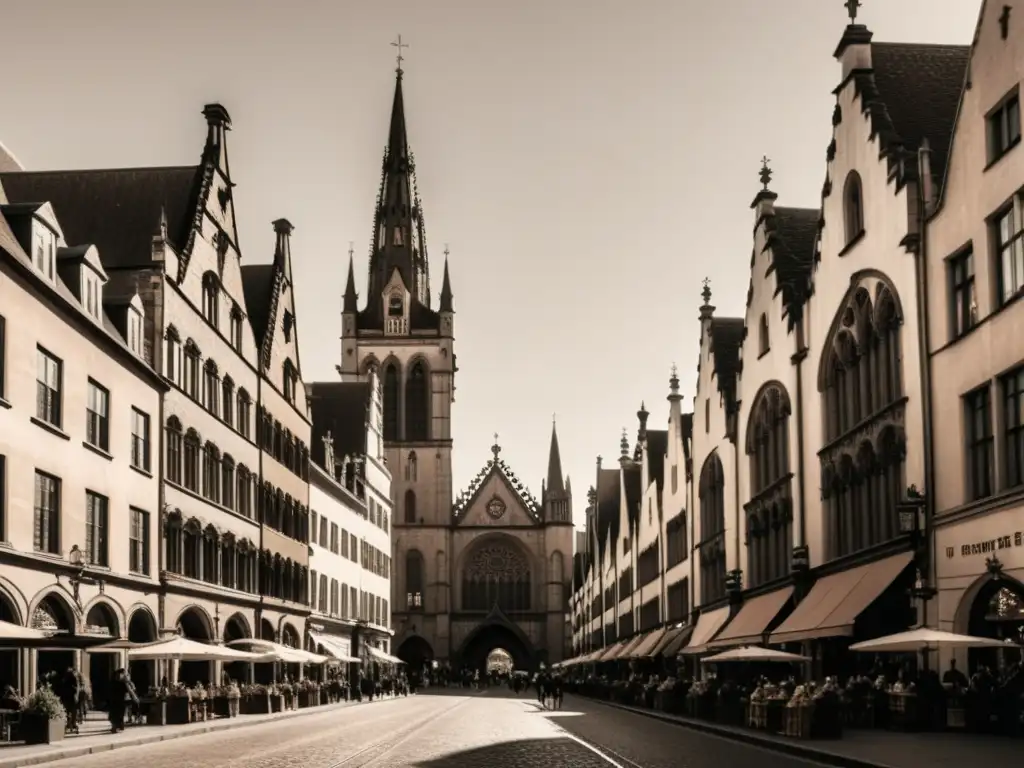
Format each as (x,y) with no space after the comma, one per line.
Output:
(44,249)
(210,298)
(91,294)
(396,306)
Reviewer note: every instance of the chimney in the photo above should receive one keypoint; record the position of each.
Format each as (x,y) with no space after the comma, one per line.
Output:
(219,121)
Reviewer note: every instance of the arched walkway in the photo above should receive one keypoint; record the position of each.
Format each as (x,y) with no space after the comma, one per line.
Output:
(290,636)
(9,657)
(194,624)
(416,652)
(142,629)
(101,619)
(8,609)
(53,613)
(267,630)
(237,628)
(488,637)
(996,611)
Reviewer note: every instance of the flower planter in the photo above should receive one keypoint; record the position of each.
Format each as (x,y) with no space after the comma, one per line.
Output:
(35,729)
(224,706)
(277,702)
(308,699)
(173,711)
(292,700)
(797,722)
(258,704)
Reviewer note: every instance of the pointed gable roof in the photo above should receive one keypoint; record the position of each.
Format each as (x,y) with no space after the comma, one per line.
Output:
(726,340)
(791,236)
(117,210)
(609,490)
(657,448)
(496,466)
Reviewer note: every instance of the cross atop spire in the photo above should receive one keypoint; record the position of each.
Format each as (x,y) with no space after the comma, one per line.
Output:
(495,449)
(399,45)
(851,9)
(706,293)
(766,172)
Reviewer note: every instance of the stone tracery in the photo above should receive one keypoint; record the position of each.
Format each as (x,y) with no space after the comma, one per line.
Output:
(496,574)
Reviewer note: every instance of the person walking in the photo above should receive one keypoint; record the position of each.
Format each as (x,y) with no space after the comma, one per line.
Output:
(120,693)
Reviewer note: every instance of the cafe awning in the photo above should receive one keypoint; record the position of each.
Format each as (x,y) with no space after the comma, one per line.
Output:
(750,624)
(280,652)
(835,601)
(674,639)
(383,656)
(629,647)
(708,625)
(608,654)
(647,642)
(336,646)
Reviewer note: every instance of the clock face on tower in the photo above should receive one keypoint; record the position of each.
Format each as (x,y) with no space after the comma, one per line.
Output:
(495,508)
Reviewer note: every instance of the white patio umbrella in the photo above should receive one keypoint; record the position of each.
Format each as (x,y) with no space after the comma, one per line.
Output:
(753,653)
(279,652)
(183,649)
(9,631)
(923,639)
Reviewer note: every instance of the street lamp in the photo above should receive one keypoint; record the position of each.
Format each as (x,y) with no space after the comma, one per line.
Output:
(77,559)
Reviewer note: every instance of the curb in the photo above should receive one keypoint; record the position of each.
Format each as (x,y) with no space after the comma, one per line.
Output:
(794,749)
(156,736)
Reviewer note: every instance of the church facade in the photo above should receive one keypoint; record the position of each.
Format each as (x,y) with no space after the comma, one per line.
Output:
(486,569)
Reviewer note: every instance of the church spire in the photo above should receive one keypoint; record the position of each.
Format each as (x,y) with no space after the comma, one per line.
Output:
(446,287)
(351,301)
(399,241)
(555,483)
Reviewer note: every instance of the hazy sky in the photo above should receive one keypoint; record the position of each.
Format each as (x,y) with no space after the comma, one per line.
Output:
(588,161)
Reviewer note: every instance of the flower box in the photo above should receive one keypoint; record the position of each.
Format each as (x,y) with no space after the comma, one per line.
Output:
(277,702)
(225,706)
(258,704)
(38,729)
(170,711)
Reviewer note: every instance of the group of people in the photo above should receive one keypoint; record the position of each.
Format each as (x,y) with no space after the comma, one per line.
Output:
(550,689)
(73,691)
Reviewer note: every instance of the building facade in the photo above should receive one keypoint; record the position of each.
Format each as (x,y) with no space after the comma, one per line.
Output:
(806,463)
(80,410)
(975,278)
(495,533)
(350,533)
(233,518)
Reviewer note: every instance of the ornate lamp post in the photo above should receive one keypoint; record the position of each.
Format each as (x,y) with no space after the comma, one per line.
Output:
(77,559)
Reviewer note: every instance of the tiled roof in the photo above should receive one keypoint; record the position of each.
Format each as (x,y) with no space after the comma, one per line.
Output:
(118,211)
(465,499)
(792,233)
(257,284)
(657,447)
(341,408)
(726,339)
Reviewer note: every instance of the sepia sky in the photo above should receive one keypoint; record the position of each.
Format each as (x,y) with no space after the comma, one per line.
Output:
(588,161)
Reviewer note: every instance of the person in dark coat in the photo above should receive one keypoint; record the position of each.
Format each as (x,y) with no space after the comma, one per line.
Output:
(68,691)
(119,695)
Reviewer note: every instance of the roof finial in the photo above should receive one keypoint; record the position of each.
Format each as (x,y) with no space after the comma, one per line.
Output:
(706,293)
(446,250)
(495,449)
(399,45)
(351,249)
(673,381)
(624,443)
(851,9)
(766,172)
(553,418)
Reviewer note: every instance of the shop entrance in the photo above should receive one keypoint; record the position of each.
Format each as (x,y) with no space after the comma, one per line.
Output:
(142,629)
(997,612)
(54,614)
(101,621)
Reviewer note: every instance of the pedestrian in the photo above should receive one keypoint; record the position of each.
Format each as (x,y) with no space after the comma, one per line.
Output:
(118,700)
(68,691)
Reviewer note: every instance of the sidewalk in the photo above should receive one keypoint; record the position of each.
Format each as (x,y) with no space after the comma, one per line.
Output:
(865,748)
(96,735)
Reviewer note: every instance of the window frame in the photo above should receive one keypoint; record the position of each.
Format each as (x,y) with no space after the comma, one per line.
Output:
(963,292)
(56,394)
(52,545)
(138,548)
(97,425)
(977,406)
(144,440)
(999,144)
(3,357)
(1012,431)
(97,529)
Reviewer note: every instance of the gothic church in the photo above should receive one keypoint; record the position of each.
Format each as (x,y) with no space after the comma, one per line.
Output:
(476,572)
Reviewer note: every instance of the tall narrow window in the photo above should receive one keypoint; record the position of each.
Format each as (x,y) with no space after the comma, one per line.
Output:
(853,207)
(413,580)
(964,305)
(138,542)
(228,401)
(236,329)
(392,402)
(211,387)
(191,370)
(210,296)
(97,418)
(46,522)
(172,355)
(712,530)
(980,443)
(174,450)
(1013,415)
(762,335)
(3,497)
(244,412)
(190,462)
(410,506)
(96,520)
(1009,232)
(1004,127)
(49,385)
(211,472)
(3,356)
(417,405)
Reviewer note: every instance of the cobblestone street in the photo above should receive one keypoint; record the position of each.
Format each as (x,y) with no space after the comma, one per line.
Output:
(446,731)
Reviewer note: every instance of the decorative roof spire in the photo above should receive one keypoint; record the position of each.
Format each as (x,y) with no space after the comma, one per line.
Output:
(673,385)
(766,173)
(399,45)
(624,445)
(495,449)
(555,483)
(851,9)
(706,292)
(351,300)
(446,286)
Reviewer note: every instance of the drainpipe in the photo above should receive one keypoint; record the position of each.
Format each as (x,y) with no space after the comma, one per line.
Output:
(739,504)
(924,199)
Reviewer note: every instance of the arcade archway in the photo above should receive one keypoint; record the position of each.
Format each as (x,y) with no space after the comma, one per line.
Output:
(101,620)
(142,629)
(997,612)
(237,628)
(490,637)
(195,625)
(416,652)
(54,614)
(9,657)
(499,662)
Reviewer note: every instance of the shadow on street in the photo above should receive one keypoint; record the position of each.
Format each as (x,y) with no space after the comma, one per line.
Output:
(527,753)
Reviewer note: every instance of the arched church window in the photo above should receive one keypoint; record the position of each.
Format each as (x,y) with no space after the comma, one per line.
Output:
(496,574)
(860,381)
(413,580)
(769,516)
(396,306)
(391,402)
(762,335)
(410,506)
(416,403)
(853,206)
(411,469)
(712,530)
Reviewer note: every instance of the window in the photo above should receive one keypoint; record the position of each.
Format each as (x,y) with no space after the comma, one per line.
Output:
(853,207)
(174,450)
(1009,235)
(3,354)
(210,298)
(236,329)
(190,453)
(417,404)
(46,520)
(211,472)
(191,373)
(96,511)
(97,417)
(3,498)
(397,236)
(410,506)
(172,367)
(1004,127)
(244,413)
(1013,417)
(413,580)
(287,324)
(396,306)
(712,530)
(227,482)
(135,332)
(391,402)
(227,398)
(291,382)
(49,383)
(762,336)
(140,440)
(138,542)
(44,249)
(965,307)
(211,387)
(979,443)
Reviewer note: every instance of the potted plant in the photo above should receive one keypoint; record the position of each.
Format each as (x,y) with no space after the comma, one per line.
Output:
(225,700)
(289,699)
(43,718)
(257,699)
(171,705)
(277,703)
(309,694)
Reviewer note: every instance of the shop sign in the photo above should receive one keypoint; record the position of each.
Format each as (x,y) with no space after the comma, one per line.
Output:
(988,547)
